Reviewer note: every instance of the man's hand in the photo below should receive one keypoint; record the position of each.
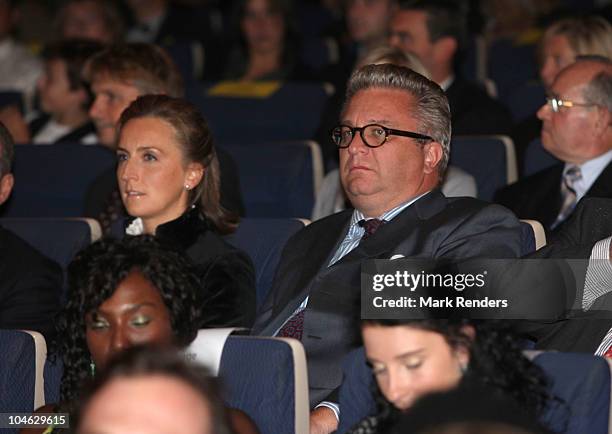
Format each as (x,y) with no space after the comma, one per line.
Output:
(12,119)
(323,421)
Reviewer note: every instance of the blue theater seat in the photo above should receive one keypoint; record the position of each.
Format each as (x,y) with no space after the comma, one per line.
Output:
(51,181)
(489,159)
(278,179)
(58,239)
(537,158)
(292,112)
(263,240)
(264,377)
(22,358)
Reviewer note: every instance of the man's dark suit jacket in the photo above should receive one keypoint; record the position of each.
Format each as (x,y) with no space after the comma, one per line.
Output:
(30,287)
(538,196)
(432,227)
(590,222)
(473,111)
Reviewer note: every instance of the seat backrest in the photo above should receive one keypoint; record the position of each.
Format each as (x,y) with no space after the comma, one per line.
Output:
(582,382)
(279,179)
(528,240)
(537,158)
(57,238)
(526,100)
(22,360)
(263,240)
(51,181)
(538,232)
(267,379)
(281,111)
(491,160)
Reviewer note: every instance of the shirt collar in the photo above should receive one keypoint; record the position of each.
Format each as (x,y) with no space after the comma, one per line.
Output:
(447,82)
(590,171)
(388,215)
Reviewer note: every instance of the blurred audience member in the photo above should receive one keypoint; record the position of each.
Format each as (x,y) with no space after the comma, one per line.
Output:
(367,23)
(331,197)
(98,20)
(150,391)
(166,22)
(168,176)
(435,31)
(30,284)
(469,409)
(19,68)
(562,42)
(577,129)
(64,96)
(118,75)
(267,47)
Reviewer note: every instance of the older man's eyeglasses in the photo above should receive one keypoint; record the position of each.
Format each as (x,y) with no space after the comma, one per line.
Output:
(556,103)
(372,135)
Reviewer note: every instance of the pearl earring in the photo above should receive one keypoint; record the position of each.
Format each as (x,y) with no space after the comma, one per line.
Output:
(187,187)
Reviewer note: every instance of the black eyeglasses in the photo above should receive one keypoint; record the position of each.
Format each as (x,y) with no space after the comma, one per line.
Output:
(373,135)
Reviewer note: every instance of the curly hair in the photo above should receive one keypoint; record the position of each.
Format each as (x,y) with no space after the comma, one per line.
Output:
(496,360)
(93,276)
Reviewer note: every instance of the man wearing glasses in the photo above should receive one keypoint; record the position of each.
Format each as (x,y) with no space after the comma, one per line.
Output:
(576,129)
(393,140)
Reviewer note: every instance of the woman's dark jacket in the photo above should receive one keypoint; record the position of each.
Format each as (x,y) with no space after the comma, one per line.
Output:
(227,298)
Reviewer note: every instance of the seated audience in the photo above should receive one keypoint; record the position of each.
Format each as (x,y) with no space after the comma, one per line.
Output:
(394,140)
(267,46)
(331,198)
(19,68)
(149,391)
(168,176)
(30,283)
(98,20)
(122,294)
(577,130)
(64,98)
(413,358)
(562,42)
(434,30)
(118,75)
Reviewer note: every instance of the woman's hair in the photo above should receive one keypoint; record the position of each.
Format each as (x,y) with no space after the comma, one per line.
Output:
(138,362)
(495,360)
(93,277)
(585,35)
(291,39)
(196,142)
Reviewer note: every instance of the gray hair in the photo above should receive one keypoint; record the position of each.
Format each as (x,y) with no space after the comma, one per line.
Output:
(599,90)
(431,105)
(7,151)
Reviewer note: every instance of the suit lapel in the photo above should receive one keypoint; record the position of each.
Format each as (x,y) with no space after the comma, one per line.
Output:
(384,239)
(317,255)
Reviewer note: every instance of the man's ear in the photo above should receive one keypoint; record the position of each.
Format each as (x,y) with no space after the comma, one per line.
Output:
(6,186)
(445,49)
(433,155)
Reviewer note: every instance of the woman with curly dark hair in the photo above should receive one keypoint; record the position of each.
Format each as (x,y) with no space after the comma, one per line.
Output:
(123,293)
(168,177)
(411,358)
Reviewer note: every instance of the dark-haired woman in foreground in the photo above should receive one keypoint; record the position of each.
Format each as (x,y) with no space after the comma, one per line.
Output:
(411,358)
(168,176)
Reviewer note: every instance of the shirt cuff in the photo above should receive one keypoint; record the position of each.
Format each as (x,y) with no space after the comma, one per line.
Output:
(598,279)
(332,406)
